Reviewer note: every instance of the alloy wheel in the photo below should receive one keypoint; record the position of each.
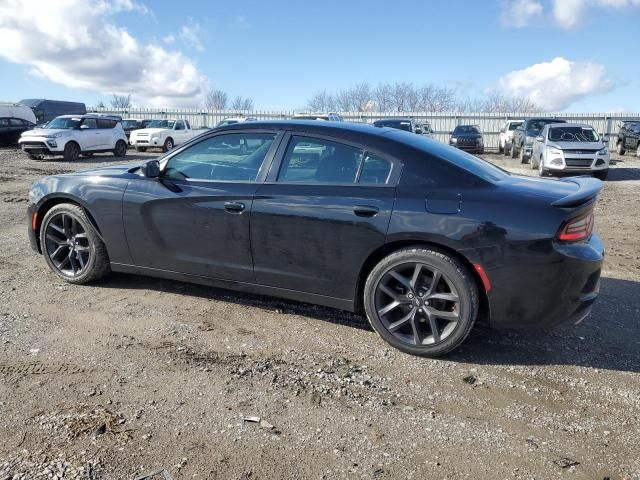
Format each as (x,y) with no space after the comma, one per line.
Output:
(417,304)
(67,245)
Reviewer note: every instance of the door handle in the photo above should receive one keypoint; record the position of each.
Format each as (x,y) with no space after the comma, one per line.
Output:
(234,207)
(365,210)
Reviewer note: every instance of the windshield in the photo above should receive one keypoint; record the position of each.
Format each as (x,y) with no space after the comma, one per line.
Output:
(573,134)
(129,123)
(223,123)
(161,124)
(465,129)
(538,125)
(64,123)
(514,125)
(399,124)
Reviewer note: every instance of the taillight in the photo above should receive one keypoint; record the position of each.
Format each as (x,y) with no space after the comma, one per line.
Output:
(577,229)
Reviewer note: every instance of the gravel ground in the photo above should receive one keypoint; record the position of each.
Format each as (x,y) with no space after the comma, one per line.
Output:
(142,378)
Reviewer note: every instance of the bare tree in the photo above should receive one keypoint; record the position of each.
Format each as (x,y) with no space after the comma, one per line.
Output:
(383,97)
(240,103)
(321,102)
(101,104)
(121,102)
(216,100)
(436,99)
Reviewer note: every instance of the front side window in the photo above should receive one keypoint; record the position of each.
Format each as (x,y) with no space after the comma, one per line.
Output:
(313,160)
(16,122)
(180,125)
(4,122)
(514,125)
(89,123)
(232,157)
(64,123)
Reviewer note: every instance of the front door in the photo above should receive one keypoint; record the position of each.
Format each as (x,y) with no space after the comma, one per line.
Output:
(319,217)
(194,219)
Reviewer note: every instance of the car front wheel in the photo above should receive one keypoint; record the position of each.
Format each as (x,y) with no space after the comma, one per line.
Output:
(523,156)
(70,245)
(421,301)
(168,145)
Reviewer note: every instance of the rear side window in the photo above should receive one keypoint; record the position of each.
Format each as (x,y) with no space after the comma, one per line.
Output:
(104,123)
(314,160)
(16,122)
(4,122)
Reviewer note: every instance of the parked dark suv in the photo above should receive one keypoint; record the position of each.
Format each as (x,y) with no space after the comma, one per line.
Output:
(525,134)
(467,138)
(628,137)
(12,128)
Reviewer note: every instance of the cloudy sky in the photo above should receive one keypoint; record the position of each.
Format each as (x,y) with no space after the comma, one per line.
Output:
(567,55)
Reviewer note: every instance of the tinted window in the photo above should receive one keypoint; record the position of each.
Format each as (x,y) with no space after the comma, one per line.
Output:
(89,123)
(232,157)
(161,124)
(180,125)
(4,122)
(103,123)
(374,170)
(514,125)
(312,160)
(398,124)
(15,122)
(130,123)
(537,125)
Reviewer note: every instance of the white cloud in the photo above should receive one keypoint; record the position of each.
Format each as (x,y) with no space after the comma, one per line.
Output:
(169,39)
(570,14)
(190,34)
(555,85)
(520,13)
(76,43)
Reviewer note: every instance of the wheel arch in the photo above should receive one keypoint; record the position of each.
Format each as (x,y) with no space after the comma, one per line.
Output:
(377,255)
(48,203)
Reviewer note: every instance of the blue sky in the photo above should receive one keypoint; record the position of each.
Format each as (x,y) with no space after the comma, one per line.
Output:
(281,52)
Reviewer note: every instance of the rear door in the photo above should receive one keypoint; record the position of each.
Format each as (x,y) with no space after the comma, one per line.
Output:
(324,208)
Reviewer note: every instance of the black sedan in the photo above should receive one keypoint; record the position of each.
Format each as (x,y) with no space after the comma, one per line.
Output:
(422,237)
(468,138)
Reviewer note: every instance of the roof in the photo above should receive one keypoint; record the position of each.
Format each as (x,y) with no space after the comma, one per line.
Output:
(561,124)
(310,125)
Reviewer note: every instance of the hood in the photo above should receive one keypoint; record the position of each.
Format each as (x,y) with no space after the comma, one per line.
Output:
(577,145)
(149,131)
(39,132)
(109,171)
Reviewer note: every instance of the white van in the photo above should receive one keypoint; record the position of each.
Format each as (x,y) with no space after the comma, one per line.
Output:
(13,110)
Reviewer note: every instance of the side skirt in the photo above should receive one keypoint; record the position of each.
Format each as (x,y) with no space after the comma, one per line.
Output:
(339,303)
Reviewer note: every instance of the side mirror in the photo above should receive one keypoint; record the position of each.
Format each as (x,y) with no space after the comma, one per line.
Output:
(151,169)
(540,138)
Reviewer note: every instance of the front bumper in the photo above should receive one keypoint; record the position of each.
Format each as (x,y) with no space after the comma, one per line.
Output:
(136,141)
(547,286)
(469,148)
(572,162)
(41,145)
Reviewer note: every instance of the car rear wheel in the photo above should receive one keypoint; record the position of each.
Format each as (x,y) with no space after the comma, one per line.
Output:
(70,245)
(168,144)
(500,147)
(421,301)
(121,149)
(523,157)
(620,148)
(506,149)
(71,152)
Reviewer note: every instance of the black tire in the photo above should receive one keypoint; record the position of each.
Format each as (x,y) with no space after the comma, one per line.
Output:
(507,149)
(500,148)
(481,151)
(33,156)
(620,148)
(96,263)
(141,149)
(121,149)
(601,175)
(453,274)
(71,152)
(523,156)
(533,164)
(168,144)
(514,153)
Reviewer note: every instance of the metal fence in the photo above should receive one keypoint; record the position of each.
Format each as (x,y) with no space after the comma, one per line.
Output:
(442,123)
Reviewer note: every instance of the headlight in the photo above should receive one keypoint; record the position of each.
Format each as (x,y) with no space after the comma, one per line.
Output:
(555,151)
(604,151)
(154,137)
(454,140)
(528,140)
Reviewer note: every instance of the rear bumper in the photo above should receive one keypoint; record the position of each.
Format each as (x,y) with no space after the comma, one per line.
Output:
(541,293)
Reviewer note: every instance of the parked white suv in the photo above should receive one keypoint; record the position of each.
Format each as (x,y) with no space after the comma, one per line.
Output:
(75,135)
(570,147)
(164,134)
(506,134)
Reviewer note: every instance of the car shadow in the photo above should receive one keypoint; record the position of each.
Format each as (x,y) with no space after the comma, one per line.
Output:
(317,312)
(619,174)
(608,339)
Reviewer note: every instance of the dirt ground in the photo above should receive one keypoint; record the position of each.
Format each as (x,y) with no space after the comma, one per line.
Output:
(133,376)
